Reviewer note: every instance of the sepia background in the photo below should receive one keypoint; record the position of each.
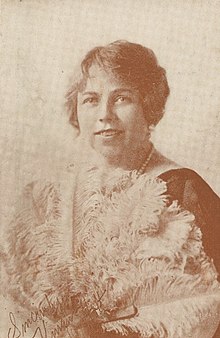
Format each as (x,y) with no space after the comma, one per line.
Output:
(42,41)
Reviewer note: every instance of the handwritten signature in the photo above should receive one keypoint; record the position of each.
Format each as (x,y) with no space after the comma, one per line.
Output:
(66,321)
(16,332)
(38,318)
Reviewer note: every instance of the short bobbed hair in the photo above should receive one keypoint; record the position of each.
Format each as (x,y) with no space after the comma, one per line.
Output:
(132,64)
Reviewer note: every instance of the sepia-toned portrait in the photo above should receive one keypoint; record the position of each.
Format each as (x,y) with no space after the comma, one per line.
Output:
(110,209)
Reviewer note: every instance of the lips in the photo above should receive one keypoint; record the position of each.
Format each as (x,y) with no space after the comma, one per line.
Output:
(109,132)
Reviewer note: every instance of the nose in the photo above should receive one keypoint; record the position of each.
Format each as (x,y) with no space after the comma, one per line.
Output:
(106,112)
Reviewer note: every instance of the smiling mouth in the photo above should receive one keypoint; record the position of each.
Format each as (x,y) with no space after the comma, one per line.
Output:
(109,132)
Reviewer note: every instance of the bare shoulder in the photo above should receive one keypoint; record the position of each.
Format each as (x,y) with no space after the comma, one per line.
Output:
(160,164)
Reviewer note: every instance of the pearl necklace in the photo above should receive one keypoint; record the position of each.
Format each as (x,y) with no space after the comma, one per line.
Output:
(142,169)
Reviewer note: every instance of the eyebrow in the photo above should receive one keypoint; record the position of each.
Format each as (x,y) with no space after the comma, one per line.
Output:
(114,92)
(89,93)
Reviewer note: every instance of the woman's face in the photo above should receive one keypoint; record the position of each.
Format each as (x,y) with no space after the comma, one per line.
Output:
(110,116)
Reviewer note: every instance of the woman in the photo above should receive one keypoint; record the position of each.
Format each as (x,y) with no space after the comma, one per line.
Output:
(118,244)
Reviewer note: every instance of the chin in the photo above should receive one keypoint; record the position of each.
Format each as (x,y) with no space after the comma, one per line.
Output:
(110,154)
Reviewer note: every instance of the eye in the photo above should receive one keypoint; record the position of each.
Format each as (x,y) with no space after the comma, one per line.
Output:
(122,99)
(90,100)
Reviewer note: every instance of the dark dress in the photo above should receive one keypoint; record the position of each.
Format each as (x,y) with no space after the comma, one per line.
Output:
(196,196)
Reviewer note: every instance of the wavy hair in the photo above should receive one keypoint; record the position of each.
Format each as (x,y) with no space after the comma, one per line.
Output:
(132,64)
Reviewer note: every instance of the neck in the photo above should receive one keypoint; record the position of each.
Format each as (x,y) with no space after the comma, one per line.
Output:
(130,160)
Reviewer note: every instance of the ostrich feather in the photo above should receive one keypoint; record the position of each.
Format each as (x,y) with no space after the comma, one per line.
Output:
(130,249)
(172,319)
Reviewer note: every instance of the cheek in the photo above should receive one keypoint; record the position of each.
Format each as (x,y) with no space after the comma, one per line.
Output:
(85,120)
(134,120)
(139,132)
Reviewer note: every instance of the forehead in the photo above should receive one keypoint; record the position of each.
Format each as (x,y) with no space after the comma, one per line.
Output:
(100,79)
